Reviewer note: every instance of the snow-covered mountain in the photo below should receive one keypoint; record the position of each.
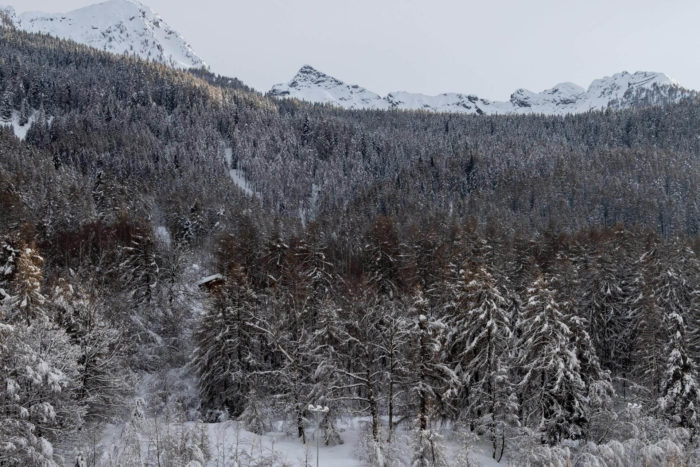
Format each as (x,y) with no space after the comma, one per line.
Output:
(311,85)
(130,27)
(621,90)
(117,26)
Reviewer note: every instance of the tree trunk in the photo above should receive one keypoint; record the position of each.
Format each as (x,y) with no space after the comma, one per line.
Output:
(391,410)
(372,407)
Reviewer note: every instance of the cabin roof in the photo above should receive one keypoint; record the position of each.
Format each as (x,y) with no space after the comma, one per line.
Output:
(210,279)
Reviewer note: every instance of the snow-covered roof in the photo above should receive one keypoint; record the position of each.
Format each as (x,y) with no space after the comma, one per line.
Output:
(209,279)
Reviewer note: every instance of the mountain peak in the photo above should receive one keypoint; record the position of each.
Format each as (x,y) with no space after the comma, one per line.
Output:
(312,85)
(310,75)
(308,70)
(118,26)
(620,90)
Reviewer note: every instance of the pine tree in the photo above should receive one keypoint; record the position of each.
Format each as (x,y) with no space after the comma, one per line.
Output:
(9,256)
(479,339)
(289,362)
(661,291)
(6,105)
(139,270)
(105,380)
(680,395)
(502,419)
(327,340)
(253,418)
(24,113)
(19,443)
(394,339)
(360,383)
(433,384)
(39,380)
(382,257)
(607,300)
(597,382)
(27,303)
(224,357)
(553,391)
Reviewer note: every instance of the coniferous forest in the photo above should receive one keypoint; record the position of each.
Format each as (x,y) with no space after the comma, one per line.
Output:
(179,251)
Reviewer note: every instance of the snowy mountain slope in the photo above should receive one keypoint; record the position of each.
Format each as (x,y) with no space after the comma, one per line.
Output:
(311,85)
(621,90)
(117,26)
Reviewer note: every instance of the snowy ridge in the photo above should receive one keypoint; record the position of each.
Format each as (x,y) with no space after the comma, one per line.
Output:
(621,90)
(117,26)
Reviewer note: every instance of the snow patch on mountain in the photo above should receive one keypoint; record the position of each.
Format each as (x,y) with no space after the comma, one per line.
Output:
(621,90)
(118,26)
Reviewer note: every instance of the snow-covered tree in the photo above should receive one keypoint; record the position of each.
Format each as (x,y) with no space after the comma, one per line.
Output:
(479,338)
(662,290)
(394,339)
(6,105)
(224,357)
(433,384)
(607,301)
(139,270)
(287,375)
(502,418)
(27,302)
(429,449)
(382,257)
(648,345)
(553,392)
(597,382)
(326,347)
(680,394)
(39,381)
(9,256)
(105,379)
(359,384)
(254,418)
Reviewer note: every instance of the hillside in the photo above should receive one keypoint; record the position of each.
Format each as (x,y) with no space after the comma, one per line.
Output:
(191,272)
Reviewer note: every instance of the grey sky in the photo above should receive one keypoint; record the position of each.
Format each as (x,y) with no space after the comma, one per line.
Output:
(487,47)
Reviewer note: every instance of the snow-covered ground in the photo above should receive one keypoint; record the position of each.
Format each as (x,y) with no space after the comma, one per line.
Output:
(224,436)
(229,444)
(237,175)
(227,438)
(19,130)
(145,438)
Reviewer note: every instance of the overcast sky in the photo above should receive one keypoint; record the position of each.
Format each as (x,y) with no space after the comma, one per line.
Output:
(486,47)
